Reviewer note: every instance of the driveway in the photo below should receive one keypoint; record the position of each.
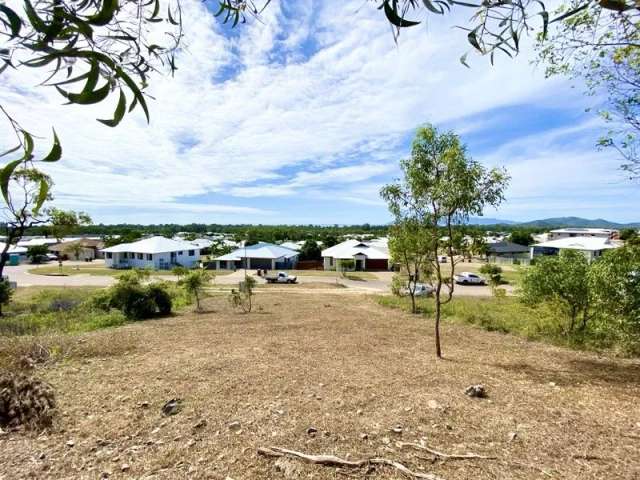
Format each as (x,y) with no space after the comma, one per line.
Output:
(23,278)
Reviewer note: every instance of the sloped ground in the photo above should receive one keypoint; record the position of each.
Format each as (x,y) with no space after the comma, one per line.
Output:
(348,368)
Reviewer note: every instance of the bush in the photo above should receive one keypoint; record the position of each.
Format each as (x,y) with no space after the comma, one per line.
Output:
(490,269)
(161,297)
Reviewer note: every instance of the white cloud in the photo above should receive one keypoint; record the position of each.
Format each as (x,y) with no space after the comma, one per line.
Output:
(291,121)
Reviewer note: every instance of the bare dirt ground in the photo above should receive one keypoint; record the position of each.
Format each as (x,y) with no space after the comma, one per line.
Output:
(346,367)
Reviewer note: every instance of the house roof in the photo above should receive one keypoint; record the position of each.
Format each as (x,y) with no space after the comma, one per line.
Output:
(37,241)
(14,249)
(579,243)
(507,247)
(84,242)
(291,245)
(375,249)
(585,231)
(260,250)
(152,245)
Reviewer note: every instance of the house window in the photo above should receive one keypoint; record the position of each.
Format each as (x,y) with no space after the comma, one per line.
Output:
(179,253)
(149,256)
(192,253)
(140,256)
(109,255)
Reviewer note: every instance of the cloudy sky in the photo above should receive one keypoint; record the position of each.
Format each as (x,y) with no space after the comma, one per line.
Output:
(301,118)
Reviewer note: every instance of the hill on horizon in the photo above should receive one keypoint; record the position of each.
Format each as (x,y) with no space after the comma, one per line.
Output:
(556,222)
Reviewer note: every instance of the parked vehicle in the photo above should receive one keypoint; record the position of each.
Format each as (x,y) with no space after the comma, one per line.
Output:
(281,277)
(422,290)
(443,259)
(468,278)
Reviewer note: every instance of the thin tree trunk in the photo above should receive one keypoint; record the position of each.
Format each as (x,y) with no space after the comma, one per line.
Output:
(438,346)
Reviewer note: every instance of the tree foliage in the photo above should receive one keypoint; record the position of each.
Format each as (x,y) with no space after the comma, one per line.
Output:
(521,237)
(410,249)
(194,282)
(36,252)
(562,280)
(310,250)
(597,42)
(441,187)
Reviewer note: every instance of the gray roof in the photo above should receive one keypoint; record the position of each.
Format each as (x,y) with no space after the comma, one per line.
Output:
(507,247)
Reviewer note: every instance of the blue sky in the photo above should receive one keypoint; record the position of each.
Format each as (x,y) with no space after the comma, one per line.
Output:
(302,117)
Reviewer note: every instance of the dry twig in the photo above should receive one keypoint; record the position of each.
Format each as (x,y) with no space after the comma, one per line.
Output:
(467,456)
(333,461)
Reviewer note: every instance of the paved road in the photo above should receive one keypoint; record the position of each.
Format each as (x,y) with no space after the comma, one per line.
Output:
(381,284)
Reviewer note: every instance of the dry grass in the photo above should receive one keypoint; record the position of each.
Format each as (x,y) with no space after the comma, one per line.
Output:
(346,367)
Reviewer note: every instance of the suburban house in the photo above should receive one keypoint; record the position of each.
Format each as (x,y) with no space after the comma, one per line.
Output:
(262,255)
(591,247)
(154,252)
(292,245)
(507,250)
(582,232)
(366,255)
(89,249)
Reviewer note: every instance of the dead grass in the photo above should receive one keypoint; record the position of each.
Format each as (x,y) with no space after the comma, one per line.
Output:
(351,369)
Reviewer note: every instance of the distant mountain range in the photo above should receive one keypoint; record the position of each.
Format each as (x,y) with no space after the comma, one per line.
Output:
(556,223)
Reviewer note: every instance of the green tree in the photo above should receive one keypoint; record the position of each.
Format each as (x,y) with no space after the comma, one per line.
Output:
(25,191)
(37,252)
(614,282)
(561,280)
(310,250)
(243,297)
(409,248)
(627,234)
(6,292)
(441,187)
(74,249)
(521,237)
(194,282)
(66,222)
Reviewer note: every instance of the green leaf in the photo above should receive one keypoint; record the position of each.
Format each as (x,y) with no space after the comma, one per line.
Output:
(432,8)
(56,150)
(5,178)
(396,19)
(36,22)
(42,197)
(473,40)
(171,19)
(87,98)
(106,13)
(463,60)
(545,24)
(135,90)
(14,20)
(119,113)
(28,145)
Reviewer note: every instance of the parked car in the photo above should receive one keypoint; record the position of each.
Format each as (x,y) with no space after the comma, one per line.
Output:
(469,278)
(281,277)
(422,290)
(443,259)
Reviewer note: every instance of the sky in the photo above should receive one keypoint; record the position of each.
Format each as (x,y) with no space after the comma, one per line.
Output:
(302,117)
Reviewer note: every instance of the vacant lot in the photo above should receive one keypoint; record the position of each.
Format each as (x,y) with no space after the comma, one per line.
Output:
(345,366)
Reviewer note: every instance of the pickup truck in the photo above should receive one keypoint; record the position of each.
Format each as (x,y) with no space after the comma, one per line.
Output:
(281,277)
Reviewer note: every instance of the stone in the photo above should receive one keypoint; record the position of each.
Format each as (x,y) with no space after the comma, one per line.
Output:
(311,431)
(235,426)
(476,391)
(397,429)
(125,467)
(70,443)
(172,407)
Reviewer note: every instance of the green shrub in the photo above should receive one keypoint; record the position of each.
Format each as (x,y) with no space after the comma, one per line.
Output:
(161,297)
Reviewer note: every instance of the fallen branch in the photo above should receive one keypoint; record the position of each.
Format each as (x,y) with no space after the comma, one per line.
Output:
(467,456)
(333,461)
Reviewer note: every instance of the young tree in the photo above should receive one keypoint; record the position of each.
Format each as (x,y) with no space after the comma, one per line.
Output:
(408,246)
(563,280)
(310,250)
(441,187)
(25,191)
(66,222)
(194,282)
(614,282)
(243,297)
(37,252)
(74,249)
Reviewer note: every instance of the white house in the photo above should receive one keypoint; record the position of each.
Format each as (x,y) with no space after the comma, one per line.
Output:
(261,255)
(591,247)
(582,232)
(366,255)
(155,252)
